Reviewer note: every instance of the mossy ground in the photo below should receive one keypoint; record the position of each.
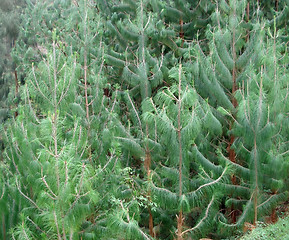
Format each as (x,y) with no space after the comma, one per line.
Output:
(278,231)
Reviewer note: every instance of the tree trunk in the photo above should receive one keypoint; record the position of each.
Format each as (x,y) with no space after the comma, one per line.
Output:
(180,217)
(3,227)
(16,89)
(147,164)
(180,226)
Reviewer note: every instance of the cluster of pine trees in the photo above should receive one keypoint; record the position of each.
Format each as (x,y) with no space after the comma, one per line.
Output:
(144,119)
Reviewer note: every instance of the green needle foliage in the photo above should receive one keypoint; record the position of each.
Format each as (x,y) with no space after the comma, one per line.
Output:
(46,150)
(177,114)
(237,70)
(146,119)
(258,127)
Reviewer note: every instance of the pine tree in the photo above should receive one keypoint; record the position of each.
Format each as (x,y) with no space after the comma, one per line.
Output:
(177,114)
(258,129)
(46,152)
(141,74)
(235,55)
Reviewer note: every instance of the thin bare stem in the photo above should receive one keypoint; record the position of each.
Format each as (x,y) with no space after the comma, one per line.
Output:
(28,198)
(56,224)
(180,216)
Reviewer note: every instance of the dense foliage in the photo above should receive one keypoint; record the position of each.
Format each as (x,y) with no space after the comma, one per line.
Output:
(148,119)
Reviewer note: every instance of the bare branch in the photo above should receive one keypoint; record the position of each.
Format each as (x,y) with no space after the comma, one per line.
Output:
(202,220)
(28,198)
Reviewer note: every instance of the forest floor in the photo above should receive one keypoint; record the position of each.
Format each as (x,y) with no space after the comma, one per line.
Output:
(272,231)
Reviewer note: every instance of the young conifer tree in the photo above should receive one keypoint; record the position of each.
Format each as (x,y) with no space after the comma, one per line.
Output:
(136,56)
(79,29)
(222,76)
(85,34)
(45,150)
(260,140)
(221,68)
(178,115)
